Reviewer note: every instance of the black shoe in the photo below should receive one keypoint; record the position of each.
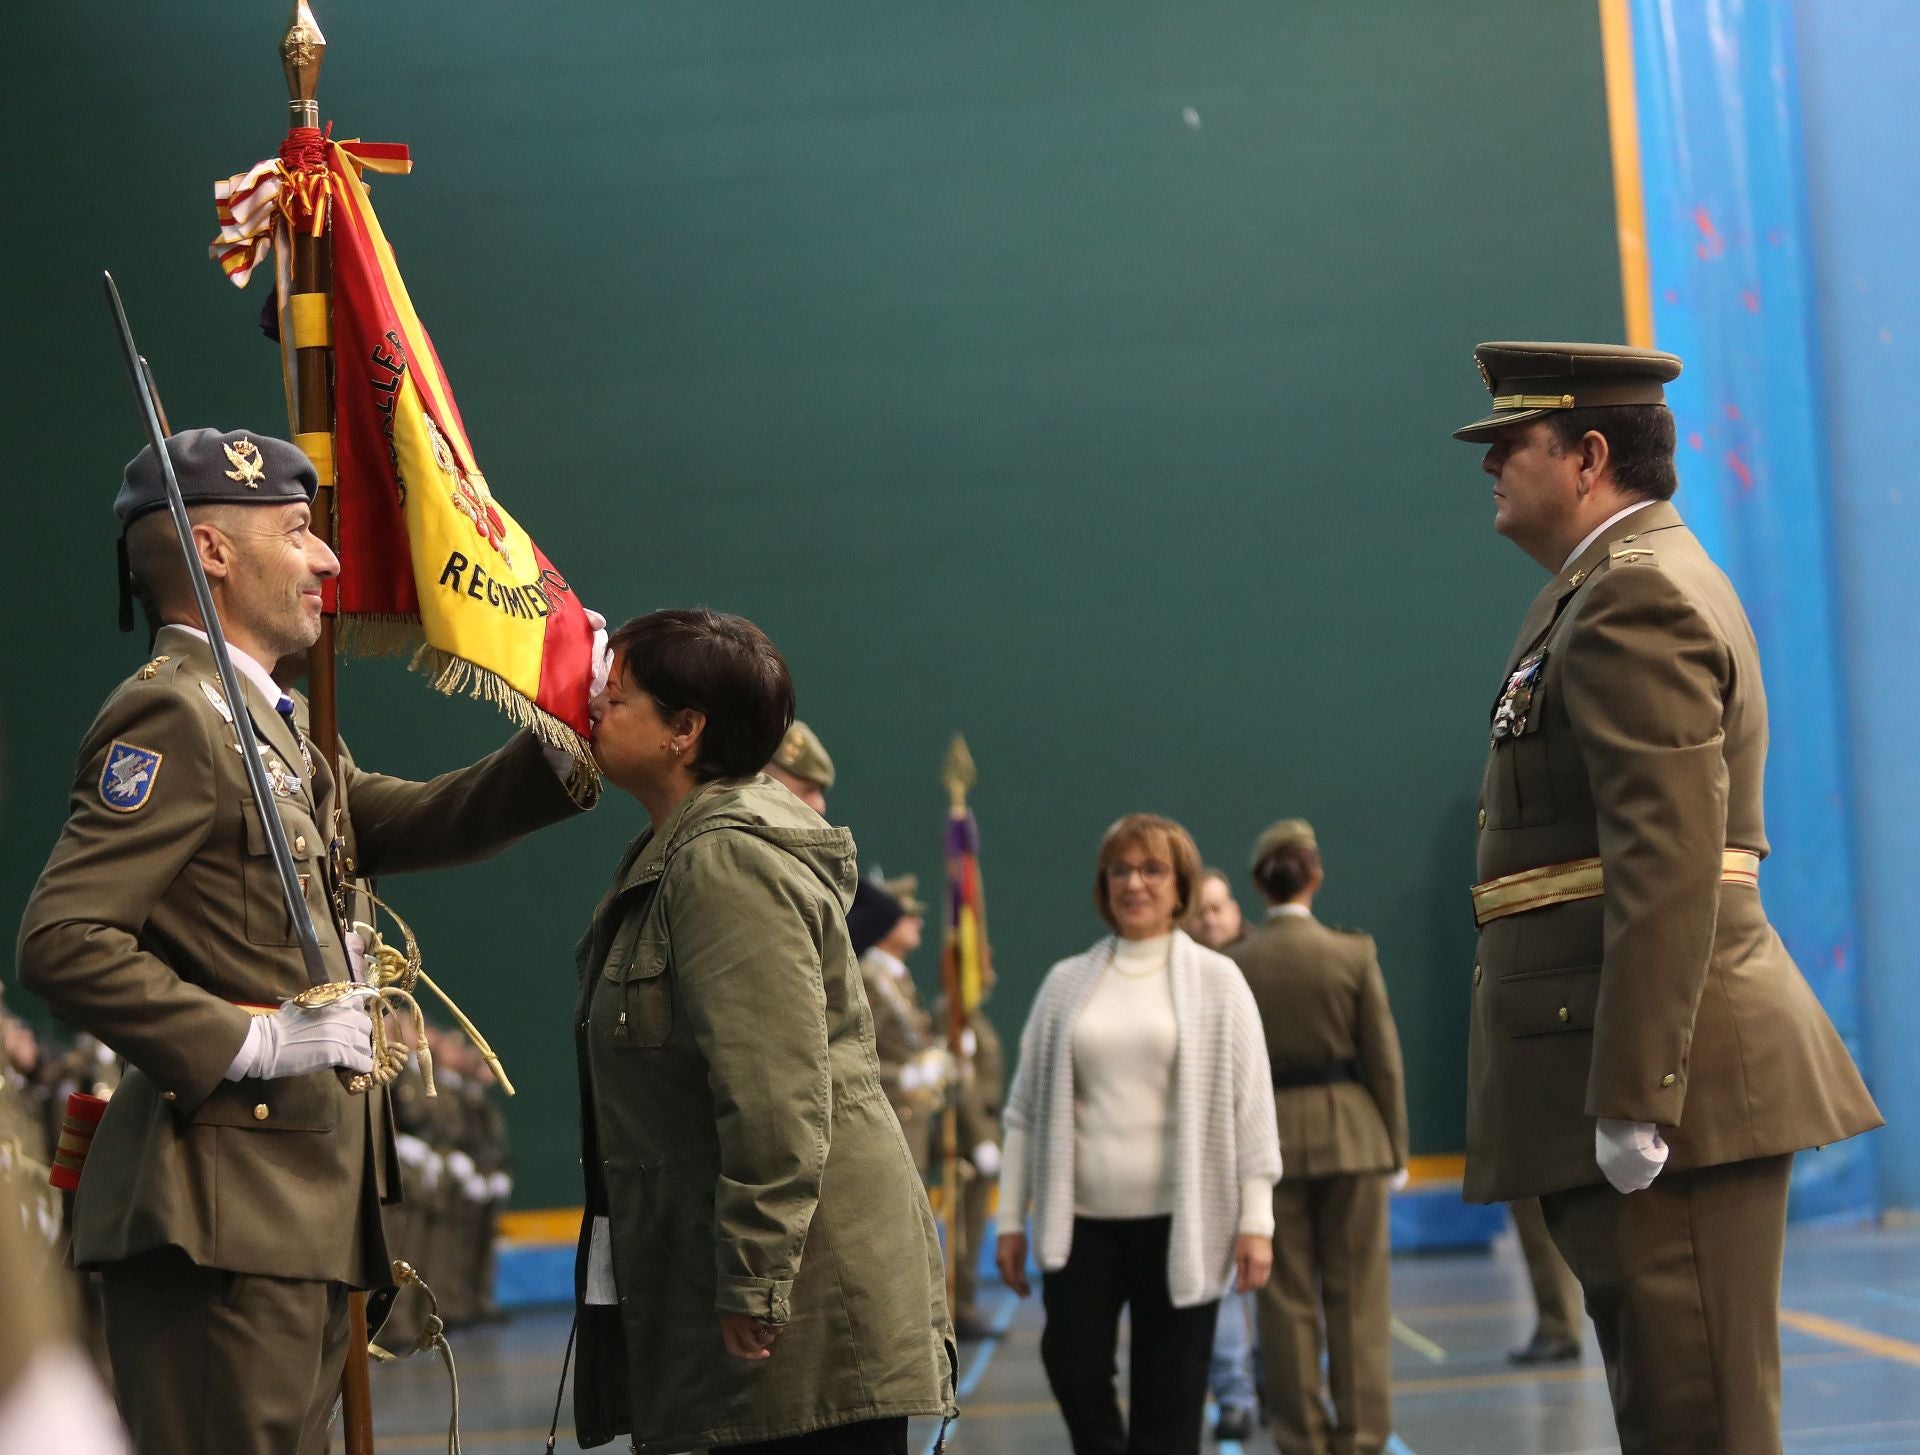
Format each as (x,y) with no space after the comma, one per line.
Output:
(1542,1350)
(1234,1424)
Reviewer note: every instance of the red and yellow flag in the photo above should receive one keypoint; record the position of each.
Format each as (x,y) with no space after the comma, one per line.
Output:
(429,557)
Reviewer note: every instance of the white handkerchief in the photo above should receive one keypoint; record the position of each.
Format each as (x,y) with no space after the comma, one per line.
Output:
(600,1264)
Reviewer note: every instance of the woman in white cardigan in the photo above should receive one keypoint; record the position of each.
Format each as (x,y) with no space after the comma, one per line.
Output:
(1140,1125)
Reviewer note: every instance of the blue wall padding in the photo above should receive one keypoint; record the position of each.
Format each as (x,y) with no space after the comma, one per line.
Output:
(1727,236)
(1861,114)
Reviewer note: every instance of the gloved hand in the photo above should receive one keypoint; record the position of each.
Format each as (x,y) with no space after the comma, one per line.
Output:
(986,1160)
(1630,1154)
(461,1166)
(294,1041)
(356,944)
(1398,1180)
(602,655)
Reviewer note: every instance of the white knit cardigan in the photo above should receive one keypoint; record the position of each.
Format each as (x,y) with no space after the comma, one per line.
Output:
(1223,1112)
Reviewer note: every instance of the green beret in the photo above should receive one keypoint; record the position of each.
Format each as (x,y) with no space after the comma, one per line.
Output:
(802,754)
(1280,835)
(1529,380)
(234,467)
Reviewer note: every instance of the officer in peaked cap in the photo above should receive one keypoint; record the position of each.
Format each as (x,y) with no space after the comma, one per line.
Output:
(801,764)
(158,926)
(1630,995)
(886,922)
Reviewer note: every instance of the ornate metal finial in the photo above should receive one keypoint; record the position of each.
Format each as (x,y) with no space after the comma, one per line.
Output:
(302,49)
(958,773)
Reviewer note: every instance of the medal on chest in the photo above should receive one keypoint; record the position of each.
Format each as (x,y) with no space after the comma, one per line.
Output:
(1512,711)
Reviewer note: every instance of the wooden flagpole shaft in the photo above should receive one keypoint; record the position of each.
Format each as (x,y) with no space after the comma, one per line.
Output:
(302,49)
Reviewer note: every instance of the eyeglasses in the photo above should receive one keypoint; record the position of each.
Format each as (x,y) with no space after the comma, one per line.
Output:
(1151,872)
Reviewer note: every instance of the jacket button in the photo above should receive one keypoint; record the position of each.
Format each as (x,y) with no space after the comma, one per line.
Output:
(1483,818)
(168,1096)
(1667,1080)
(1563,1012)
(1476,974)
(300,844)
(260,1112)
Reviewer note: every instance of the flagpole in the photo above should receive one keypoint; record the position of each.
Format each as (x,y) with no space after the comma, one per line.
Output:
(309,314)
(958,774)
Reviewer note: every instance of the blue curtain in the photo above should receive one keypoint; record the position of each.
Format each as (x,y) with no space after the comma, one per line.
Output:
(1727,236)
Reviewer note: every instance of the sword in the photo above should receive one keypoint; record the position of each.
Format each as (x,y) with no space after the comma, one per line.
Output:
(249,744)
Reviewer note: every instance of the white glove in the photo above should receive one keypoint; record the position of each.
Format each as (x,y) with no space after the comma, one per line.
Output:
(356,944)
(986,1160)
(602,655)
(500,1186)
(936,1068)
(432,1169)
(475,1187)
(461,1166)
(1398,1181)
(411,1150)
(1630,1154)
(969,1042)
(294,1041)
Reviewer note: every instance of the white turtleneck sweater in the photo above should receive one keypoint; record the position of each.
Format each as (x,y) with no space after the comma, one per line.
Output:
(1125,1061)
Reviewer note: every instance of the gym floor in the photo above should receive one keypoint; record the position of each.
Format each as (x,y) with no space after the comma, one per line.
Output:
(1850,1343)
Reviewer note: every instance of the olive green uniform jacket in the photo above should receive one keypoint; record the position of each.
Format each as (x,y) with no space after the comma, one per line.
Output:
(902,1031)
(1323,1003)
(737,1137)
(151,926)
(1670,999)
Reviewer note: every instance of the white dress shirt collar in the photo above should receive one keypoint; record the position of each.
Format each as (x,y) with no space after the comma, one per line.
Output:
(1276,911)
(259,676)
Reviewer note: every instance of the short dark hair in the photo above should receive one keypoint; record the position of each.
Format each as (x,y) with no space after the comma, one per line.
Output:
(1288,870)
(721,665)
(1640,443)
(1150,830)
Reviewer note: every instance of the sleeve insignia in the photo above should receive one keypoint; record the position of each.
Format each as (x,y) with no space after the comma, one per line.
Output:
(127,781)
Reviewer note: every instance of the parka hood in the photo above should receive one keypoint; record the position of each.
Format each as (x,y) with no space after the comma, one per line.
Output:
(763,808)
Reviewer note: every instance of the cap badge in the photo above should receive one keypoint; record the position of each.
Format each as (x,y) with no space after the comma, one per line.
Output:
(1485,377)
(792,745)
(244,456)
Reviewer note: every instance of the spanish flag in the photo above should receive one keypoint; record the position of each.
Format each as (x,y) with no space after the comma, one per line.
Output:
(430,560)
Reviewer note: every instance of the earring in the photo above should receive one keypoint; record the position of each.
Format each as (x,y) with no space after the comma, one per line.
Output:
(678,748)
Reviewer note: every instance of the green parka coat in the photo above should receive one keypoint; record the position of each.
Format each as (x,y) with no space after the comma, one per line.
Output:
(740,1147)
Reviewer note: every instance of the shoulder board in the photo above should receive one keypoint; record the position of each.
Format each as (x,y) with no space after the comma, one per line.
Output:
(1350,932)
(1630,553)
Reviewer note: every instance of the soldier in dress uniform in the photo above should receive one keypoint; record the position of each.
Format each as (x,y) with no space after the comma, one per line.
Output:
(1644,1055)
(885,923)
(983,1087)
(232,1196)
(802,766)
(1340,1101)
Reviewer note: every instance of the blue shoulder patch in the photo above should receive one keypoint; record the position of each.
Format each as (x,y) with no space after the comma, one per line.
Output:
(127,781)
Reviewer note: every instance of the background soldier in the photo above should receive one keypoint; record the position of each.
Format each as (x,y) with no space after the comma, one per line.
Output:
(801,764)
(158,925)
(1340,1102)
(1644,1055)
(913,1058)
(1559,1318)
(983,1086)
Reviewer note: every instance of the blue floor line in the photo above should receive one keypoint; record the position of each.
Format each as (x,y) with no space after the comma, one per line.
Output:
(982,1356)
(1397,1446)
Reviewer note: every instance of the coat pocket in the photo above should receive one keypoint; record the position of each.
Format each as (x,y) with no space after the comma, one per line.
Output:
(287,1104)
(639,989)
(1542,1002)
(268,922)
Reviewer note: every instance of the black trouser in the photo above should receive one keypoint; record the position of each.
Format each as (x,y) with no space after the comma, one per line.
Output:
(869,1437)
(1115,1263)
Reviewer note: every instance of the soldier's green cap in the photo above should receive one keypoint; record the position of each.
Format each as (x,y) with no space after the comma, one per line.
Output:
(1529,380)
(802,754)
(906,889)
(217,467)
(1279,836)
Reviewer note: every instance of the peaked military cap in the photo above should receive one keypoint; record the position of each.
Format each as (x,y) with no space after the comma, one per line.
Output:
(217,467)
(906,889)
(1280,835)
(803,755)
(1529,380)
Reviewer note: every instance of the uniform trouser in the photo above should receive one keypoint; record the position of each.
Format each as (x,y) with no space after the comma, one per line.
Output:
(1683,1284)
(976,1191)
(1329,1231)
(206,1360)
(1117,1263)
(1556,1292)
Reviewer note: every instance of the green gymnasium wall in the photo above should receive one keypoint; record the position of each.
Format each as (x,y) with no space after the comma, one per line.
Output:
(1076,375)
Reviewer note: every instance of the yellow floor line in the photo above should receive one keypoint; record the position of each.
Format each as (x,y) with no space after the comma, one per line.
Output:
(1452,1383)
(1419,1343)
(1885,1346)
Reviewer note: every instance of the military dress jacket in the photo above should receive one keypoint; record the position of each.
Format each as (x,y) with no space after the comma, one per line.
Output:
(1631,727)
(983,1086)
(739,1147)
(1323,1005)
(902,1029)
(159,916)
